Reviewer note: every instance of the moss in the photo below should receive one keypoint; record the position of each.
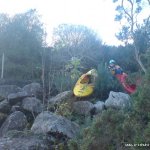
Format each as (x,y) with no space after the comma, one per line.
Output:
(73,145)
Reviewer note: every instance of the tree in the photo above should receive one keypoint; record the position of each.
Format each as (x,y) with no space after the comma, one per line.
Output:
(128,12)
(3,23)
(21,39)
(77,41)
(76,49)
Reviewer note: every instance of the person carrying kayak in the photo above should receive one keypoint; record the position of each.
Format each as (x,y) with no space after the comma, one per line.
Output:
(118,72)
(114,68)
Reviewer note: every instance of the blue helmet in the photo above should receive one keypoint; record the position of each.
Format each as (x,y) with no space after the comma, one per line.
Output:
(112,61)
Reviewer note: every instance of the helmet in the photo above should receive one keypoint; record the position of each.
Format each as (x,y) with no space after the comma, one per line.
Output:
(112,61)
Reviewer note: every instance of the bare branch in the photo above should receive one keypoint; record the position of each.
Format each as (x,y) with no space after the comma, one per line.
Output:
(122,4)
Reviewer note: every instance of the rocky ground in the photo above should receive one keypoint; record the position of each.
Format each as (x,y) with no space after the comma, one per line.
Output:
(29,123)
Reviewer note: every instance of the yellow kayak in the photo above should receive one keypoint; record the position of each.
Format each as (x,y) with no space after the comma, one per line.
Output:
(85,84)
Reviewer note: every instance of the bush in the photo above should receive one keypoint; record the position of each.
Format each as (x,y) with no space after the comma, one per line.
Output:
(142,101)
(141,105)
(108,131)
(106,82)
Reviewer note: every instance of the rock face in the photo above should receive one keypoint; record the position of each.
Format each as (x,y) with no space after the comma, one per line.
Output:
(60,97)
(16,121)
(24,142)
(83,107)
(99,106)
(47,122)
(118,100)
(5,90)
(32,104)
(33,89)
(13,98)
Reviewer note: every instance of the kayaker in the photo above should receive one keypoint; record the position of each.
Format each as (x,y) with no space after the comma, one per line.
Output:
(114,68)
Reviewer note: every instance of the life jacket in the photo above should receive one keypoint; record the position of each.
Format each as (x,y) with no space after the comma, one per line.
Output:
(116,69)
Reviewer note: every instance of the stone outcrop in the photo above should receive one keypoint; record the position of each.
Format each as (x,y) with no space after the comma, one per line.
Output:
(13,98)
(5,90)
(60,97)
(25,141)
(16,121)
(33,89)
(82,107)
(118,100)
(99,106)
(32,104)
(47,122)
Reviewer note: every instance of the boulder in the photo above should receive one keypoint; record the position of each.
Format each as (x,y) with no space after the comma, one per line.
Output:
(5,107)
(60,97)
(118,100)
(32,104)
(13,98)
(33,89)
(25,141)
(99,106)
(83,107)
(47,122)
(5,90)
(16,121)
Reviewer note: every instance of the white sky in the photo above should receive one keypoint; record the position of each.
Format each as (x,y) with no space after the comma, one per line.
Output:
(96,14)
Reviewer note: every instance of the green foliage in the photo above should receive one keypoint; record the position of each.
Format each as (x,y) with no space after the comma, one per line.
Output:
(74,66)
(142,102)
(65,110)
(123,55)
(147,134)
(73,145)
(112,129)
(106,82)
(21,40)
(107,132)
(62,80)
(127,11)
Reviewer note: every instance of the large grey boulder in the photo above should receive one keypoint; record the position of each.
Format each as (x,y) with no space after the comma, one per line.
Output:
(60,97)
(48,122)
(13,98)
(99,106)
(16,121)
(83,107)
(32,104)
(25,141)
(118,100)
(33,89)
(5,90)
(5,106)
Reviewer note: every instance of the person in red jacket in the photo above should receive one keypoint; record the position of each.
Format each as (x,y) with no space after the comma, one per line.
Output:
(114,68)
(117,71)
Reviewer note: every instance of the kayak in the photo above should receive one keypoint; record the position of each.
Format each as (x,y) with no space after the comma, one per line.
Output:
(130,88)
(85,84)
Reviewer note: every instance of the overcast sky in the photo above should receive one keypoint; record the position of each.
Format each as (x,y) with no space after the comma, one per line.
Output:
(96,14)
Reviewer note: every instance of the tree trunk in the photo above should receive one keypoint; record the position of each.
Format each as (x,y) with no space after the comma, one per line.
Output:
(43,75)
(138,58)
(2,72)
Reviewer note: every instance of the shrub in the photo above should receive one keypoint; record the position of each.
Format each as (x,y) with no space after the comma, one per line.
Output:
(107,132)
(106,82)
